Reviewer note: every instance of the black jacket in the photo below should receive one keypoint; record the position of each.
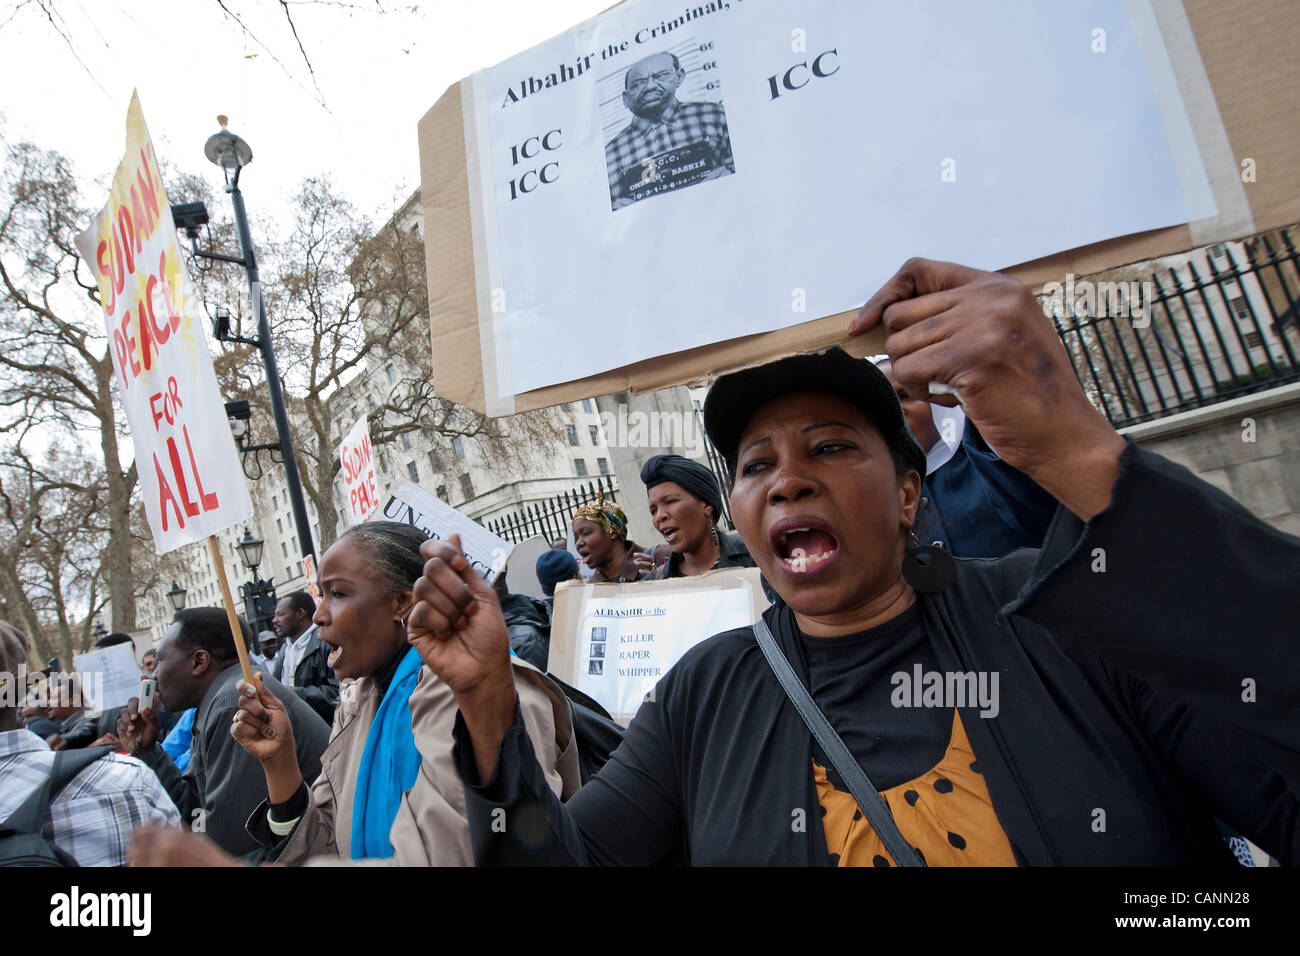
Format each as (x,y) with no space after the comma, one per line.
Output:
(732,554)
(1162,690)
(313,679)
(528,621)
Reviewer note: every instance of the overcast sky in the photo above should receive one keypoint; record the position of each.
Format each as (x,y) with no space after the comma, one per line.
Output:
(376,74)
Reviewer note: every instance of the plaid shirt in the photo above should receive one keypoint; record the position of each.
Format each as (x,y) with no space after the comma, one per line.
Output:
(92,817)
(680,125)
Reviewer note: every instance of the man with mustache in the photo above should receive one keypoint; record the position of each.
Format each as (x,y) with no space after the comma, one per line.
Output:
(662,123)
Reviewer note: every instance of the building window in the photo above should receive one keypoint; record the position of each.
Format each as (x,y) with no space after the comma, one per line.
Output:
(391,373)
(338,491)
(406,440)
(280,525)
(595,434)
(433,460)
(587,406)
(1240,308)
(1217,250)
(274,504)
(580,466)
(603,465)
(317,530)
(284,550)
(413,471)
(466,486)
(1254,340)
(573,435)
(442,492)
(458,447)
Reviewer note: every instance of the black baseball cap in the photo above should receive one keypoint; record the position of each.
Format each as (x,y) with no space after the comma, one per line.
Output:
(734,398)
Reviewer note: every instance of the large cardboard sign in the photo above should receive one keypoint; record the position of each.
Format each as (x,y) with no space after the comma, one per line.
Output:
(614,641)
(802,176)
(407,501)
(189,470)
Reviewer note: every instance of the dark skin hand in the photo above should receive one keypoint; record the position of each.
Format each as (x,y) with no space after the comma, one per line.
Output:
(137,730)
(984,335)
(457,627)
(154,845)
(262,728)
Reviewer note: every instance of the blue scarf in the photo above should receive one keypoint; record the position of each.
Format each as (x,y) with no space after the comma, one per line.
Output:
(389,765)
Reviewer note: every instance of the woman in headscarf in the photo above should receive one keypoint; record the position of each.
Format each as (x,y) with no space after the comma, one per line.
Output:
(388,788)
(600,537)
(1078,704)
(685,505)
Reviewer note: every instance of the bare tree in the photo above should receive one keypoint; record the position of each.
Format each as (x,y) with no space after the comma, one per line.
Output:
(54,360)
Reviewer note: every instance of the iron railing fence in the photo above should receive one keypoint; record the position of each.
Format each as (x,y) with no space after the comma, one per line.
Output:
(552,516)
(1200,334)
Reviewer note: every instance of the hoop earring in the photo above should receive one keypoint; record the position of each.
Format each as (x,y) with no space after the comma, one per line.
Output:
(713,529)
(929,568)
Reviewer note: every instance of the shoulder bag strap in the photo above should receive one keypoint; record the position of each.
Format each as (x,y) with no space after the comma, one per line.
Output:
(850,771)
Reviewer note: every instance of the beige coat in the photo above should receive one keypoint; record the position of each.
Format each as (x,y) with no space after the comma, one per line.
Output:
(431,828)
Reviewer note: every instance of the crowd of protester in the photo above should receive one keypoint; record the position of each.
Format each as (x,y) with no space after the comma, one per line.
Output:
(408,717)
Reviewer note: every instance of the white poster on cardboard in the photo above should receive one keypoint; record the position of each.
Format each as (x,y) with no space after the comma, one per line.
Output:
(615,641)
(191,480)
(407,501)
(727,168)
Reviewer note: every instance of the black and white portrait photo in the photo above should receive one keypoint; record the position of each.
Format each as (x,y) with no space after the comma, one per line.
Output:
(669,143)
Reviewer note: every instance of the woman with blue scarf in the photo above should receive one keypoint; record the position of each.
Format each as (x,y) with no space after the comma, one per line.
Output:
(388,789)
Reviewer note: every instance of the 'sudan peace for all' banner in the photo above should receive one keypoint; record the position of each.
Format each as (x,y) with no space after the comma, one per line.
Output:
(675,175)
(185,456)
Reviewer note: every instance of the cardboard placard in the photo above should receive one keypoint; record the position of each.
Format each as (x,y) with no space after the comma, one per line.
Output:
(614,641)
(1228,66)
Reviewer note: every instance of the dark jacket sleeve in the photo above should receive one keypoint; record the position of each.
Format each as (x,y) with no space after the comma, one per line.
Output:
(627,815)
(320,689)
(1178,588)
(183,789)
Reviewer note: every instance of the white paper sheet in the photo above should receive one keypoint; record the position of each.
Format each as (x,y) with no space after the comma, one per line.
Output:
(985,134)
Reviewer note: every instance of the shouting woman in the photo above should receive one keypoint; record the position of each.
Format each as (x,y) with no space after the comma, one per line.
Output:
(388,788)
(600,537)
(685,505)
(1078,704)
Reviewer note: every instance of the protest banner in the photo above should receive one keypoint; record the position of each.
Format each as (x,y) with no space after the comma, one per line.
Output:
(408,502)
(109,677)
(309,572)
(614,641)
(188,467)
(358,469)
(815,179)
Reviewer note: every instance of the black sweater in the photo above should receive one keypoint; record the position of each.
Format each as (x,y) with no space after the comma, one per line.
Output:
(1137,704)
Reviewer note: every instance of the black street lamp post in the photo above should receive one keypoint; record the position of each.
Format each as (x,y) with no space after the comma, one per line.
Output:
(259,595)
(232,154)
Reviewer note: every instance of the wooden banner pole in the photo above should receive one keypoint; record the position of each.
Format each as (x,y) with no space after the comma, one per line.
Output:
(219,566)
